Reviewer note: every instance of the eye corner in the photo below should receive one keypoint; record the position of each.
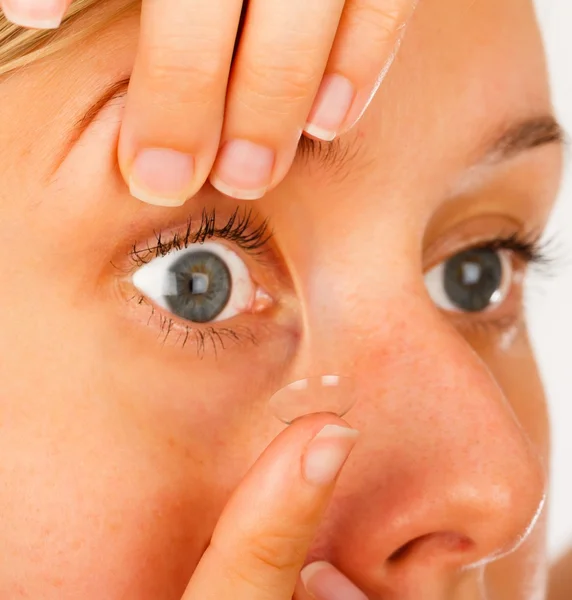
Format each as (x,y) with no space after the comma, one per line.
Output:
(262,302)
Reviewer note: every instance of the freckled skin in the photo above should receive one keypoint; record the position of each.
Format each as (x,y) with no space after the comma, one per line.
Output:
(119,448)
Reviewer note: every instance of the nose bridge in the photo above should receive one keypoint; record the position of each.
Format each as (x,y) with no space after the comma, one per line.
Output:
(442,456)
(343,296)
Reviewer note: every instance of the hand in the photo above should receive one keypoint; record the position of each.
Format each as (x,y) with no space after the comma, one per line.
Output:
(301,65)
(262,538)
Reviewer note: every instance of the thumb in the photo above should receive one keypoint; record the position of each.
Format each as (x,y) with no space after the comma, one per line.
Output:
(263,536)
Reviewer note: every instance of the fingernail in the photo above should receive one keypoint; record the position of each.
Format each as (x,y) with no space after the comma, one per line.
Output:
(331,107)
(324,582)
(161,177)
(35,14)
(327,453)
(243,170)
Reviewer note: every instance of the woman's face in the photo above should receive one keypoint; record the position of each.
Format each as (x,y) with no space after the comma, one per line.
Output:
(125,426)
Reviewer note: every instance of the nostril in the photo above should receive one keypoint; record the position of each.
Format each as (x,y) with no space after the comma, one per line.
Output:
(433,545)
(402,551)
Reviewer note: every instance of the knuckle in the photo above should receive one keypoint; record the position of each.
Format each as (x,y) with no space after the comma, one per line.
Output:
(168,67)
(384,17)
(263,559)
(286,83)
(276,552)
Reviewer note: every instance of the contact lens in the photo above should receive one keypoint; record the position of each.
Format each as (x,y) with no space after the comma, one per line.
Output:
(323,394)
(319,373)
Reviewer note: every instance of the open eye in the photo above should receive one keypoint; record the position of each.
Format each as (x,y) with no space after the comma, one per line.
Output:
(201,283)
(472,281)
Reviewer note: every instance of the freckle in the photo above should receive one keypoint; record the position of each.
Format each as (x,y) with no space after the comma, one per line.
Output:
(77,544)
(57,582)
(114,527)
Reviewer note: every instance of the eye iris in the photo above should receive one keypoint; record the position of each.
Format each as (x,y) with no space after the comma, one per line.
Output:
(203,286)
(473,278)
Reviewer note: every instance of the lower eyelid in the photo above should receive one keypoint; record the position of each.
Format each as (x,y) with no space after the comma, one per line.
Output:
(178,333)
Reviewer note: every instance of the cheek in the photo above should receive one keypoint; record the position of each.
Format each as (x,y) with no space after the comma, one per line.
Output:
(119,453)
(83,486)
(510,358)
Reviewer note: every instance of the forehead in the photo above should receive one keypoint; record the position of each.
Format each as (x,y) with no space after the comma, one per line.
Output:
(465,68)
(465,71)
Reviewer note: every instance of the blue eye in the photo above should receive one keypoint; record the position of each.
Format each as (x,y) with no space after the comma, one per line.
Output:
(472,281)
(201,283)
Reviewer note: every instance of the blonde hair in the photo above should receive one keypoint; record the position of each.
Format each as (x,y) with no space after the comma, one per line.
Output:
(19,47)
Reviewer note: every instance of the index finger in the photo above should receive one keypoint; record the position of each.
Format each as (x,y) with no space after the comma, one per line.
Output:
(173,118)
(263,536)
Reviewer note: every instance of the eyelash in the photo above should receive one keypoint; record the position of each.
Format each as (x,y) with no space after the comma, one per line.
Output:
(202,336)
(243,229)
(527,247)
(530,249)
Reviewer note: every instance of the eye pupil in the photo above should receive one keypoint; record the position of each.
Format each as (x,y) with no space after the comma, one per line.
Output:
(471,273)
(199,283)
(472,279)
(203,286)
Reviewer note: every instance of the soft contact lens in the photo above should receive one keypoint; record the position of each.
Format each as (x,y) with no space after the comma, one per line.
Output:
(324,394)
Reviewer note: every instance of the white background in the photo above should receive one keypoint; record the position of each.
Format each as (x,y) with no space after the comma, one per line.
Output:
(550,302)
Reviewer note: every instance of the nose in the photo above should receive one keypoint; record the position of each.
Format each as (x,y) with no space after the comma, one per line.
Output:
(443,476)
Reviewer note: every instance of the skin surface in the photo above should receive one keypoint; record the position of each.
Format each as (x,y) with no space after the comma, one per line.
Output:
(120,447)
(304,65)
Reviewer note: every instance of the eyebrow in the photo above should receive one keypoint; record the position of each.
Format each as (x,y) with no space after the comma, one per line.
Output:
(517,138)
(526,135)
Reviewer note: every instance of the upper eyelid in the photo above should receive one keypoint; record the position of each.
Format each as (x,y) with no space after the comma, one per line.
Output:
(242,227)
(142,255)
(528,245)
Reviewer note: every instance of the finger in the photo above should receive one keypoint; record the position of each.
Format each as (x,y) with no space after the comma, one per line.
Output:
(35,14)
(175,105)
(263,536)
(278,68)
(322,581)
(368,38)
